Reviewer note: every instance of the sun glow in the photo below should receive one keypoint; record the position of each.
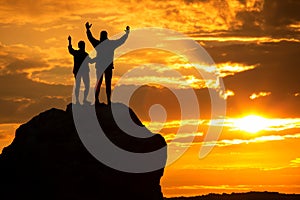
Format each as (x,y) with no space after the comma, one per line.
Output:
(251,123)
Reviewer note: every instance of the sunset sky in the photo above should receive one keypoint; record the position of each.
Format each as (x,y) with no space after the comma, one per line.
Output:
(255,45)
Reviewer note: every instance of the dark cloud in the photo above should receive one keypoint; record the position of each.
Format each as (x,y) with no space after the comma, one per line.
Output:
(146,96)
(18,85)
(21,98)
(252,23)
(275,18)
(22,110)
(195,1)
(278,13)
(44,10)
(22,65)
(18,58)
(278,73)
(269,18)
(57,75)
(243,1)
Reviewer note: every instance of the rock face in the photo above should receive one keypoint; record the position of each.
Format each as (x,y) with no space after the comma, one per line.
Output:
(47,160)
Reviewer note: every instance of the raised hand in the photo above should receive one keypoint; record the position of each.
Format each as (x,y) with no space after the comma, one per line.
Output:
(69,38)
(88,25)
(127,29)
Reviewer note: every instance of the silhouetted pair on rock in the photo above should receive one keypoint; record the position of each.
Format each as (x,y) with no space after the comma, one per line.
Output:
(103,62)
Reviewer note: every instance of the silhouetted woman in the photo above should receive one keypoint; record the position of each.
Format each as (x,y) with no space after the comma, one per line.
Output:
(79,58)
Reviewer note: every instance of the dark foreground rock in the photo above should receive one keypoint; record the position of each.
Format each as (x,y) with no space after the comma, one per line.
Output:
(47,160)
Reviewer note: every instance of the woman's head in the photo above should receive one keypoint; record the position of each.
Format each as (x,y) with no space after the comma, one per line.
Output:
(81,45)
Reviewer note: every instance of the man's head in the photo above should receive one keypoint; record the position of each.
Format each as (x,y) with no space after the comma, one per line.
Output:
(81,45)
(103,36)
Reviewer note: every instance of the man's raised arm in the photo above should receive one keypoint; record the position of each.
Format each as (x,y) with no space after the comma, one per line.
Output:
(92,40)
(122,39)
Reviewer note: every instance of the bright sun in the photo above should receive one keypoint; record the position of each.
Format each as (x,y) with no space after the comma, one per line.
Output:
(251,123)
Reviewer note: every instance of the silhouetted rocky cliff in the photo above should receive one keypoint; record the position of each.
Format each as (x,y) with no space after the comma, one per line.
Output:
(47,160)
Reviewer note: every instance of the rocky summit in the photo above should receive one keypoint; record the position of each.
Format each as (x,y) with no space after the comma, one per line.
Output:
(47,160)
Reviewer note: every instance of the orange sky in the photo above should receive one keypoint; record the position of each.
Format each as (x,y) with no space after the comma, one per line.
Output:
(255,45)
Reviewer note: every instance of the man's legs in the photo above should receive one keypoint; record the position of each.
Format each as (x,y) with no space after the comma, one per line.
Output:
(98,86)
(108,77)
(86,81)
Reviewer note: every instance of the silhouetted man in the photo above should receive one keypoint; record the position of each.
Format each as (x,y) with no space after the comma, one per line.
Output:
(104,59)
(79,58)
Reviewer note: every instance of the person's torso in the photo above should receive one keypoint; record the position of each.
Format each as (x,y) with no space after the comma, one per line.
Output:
(105,54)
(79,58)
